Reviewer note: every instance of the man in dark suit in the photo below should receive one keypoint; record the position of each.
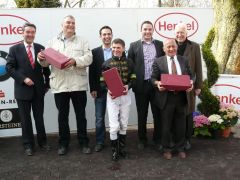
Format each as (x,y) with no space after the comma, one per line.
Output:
(100,54)
(191,50)
(171,104)
(142,53)
(30,86)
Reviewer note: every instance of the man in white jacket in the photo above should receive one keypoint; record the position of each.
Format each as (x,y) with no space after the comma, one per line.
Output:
(70,83)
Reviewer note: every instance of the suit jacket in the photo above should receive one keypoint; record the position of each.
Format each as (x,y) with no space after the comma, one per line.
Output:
(19,68)
(160,66)
(192,52)
(95,71)
(135,53)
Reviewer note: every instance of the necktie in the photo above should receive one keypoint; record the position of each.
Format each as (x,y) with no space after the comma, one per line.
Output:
(174,68)
(30,56)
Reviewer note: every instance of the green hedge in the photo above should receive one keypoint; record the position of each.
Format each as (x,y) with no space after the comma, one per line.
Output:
(209,103)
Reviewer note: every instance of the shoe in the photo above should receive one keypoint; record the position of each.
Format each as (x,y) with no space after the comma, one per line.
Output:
(45,147)
(182,155)
(141,146)
(187,145)
(62,150)
(99,147)
(159,147)
(86,150)
(29,151)
(167,155)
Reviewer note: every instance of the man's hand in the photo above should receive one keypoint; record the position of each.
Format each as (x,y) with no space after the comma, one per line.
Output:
(94,94)
(70,63)
(28,82)
(41,56)
(125,90)
(197,92)
(110,93)
(158,84)
(191,88)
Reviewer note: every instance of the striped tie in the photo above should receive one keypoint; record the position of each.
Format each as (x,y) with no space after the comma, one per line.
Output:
(174,69)
(30,56)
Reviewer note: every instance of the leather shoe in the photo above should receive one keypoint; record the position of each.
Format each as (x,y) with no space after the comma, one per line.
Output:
(167,155)
(187,145)
(29,151)
(182,155)
(62,150)
(86,150)
(99,147)
(141,146)
(45,147)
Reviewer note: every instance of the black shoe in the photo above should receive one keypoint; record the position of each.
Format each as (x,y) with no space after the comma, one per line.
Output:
(45,147)
(99,147)
(187,145)
(141,145)
(29,151)
(86,150)
(62,150)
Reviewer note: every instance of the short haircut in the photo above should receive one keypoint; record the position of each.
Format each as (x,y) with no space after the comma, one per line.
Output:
(68,16)
(146,22)
(119,41)
(168,41)
(104,27)
(27,24)
(181,25)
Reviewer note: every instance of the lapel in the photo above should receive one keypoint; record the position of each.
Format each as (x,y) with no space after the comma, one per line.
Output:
(101,54)
(24,54)
(140,51)
(165,64)
(188,50)
(180,61)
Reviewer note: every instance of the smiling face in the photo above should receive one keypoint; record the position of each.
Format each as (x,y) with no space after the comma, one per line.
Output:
(68,26)
(106,37)
(181,33)
(29,34)
(117,49)
(170,47)
(147,32)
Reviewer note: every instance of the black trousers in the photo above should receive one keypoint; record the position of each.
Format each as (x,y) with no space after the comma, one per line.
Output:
(37,106)
(142,103)
(189,126)
(79,101)
(174,121)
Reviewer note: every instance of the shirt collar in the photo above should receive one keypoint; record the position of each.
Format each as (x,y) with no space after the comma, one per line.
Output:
(169,58)
(26,44)
(149,42)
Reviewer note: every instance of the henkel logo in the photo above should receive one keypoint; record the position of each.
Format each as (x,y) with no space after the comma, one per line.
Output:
(11,29)
(229,98)
(165,24)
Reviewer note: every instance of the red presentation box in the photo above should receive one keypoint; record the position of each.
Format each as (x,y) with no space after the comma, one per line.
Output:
(55,58)
(114,82)
(175,82)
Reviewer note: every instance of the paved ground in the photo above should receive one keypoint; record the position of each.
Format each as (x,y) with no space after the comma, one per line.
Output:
(209,159)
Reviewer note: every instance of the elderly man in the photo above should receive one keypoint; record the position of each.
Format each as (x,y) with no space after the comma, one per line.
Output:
(191,51)
(70,83)
(171,104)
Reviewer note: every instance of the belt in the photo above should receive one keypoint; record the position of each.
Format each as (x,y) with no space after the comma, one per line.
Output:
(173,92)
(147,80)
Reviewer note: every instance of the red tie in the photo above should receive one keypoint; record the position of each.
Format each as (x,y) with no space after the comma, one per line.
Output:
(30,56)
(174,69)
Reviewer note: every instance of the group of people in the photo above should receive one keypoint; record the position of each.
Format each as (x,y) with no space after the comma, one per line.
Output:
(140,70)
